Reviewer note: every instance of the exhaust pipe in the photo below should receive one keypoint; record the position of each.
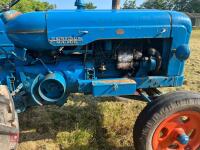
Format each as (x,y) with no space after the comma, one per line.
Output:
(116,4)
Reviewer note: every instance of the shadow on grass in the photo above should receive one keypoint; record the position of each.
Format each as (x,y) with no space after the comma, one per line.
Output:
(81,114)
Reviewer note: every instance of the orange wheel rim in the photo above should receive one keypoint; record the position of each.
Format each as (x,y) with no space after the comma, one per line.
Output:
(180,131)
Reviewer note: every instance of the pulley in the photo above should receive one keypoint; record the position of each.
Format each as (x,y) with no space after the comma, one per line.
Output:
(53,87)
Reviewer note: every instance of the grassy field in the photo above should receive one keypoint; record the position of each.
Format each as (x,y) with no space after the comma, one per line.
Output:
(87,123)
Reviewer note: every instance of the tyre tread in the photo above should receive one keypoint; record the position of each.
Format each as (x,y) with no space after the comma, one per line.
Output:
(159,108)
(8,119)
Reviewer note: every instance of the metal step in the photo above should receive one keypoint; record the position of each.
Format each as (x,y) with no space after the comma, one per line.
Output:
(113,87)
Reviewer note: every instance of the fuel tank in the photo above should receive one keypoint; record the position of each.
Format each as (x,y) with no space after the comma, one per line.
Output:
(47,31)
(6,45)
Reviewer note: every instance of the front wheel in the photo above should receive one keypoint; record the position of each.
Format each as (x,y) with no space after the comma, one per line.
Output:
(171,122)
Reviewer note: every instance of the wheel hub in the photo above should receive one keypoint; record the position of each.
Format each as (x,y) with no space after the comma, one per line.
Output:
(182,137)
(179,131)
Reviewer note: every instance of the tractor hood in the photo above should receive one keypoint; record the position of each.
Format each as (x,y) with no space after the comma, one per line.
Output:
(52,29)
(82,27)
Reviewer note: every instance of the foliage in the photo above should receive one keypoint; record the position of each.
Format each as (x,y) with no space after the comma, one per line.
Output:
(29,5)
(195,5)
(70,140)
(90,5)
(179,5)
(156,4)
(129,4)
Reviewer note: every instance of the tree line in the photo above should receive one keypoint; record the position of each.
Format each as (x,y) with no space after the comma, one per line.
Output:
(192,6)
(29,5)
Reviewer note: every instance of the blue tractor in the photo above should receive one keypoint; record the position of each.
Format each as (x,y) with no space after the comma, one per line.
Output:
(47,55)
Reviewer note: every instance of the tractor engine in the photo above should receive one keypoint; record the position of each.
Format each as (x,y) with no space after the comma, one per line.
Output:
(48,55)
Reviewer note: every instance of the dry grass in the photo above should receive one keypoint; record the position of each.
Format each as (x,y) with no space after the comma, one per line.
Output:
(85,123)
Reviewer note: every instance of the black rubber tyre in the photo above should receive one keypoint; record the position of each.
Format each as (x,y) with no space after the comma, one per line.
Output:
(157,111)
(9,127)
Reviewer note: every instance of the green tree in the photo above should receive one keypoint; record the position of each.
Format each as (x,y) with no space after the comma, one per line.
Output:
(195,5)
(179,5)
(90,5)
(29,5)
(158,4)
(129,4)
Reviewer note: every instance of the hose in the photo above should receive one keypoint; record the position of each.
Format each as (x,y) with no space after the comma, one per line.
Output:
(152,52)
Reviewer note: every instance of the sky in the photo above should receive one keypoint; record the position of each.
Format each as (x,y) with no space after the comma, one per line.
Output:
(101,4)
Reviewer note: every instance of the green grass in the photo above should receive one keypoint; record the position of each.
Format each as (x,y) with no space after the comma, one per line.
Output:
(88,123)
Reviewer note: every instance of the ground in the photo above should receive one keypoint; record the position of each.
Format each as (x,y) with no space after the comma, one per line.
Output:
(88,123)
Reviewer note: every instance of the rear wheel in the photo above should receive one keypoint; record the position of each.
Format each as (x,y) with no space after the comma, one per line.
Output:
(9,128)
(171,122)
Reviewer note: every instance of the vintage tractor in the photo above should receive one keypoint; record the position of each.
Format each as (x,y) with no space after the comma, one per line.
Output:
(46,55)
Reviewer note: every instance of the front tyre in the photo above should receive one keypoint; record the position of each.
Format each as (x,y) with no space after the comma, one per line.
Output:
(171,122)
(9,127)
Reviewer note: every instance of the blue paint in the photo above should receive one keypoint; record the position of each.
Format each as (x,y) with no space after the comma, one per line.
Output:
(48,55)
(99,24)
(183,52)
(113,87)
(51,83)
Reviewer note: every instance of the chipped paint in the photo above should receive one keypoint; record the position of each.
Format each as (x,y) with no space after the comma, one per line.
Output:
(120,31)
(10,15)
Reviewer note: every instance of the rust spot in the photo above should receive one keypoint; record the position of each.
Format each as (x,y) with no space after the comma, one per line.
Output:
(120,31)
(119,81)
(11,16)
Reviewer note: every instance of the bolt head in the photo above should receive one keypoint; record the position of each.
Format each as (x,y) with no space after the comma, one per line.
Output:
(183,139)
